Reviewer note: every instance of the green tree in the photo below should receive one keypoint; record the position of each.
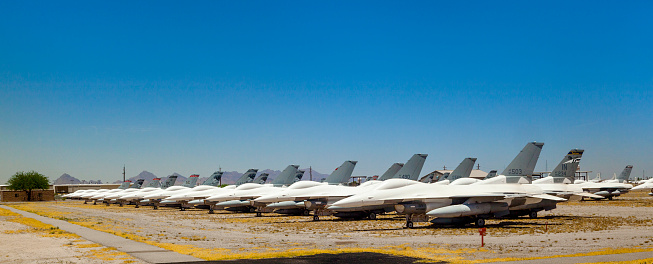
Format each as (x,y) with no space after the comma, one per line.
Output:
(28,181)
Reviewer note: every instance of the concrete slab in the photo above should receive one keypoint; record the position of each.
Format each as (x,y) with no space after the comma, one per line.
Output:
(585,259)
(145,252)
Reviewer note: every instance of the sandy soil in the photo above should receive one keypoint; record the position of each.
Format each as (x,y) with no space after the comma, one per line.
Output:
(574,227)
(25,244)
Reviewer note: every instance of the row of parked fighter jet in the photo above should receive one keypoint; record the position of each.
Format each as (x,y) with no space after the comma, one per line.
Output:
(454,199)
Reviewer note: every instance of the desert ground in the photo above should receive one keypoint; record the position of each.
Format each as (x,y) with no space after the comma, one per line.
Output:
(622,225)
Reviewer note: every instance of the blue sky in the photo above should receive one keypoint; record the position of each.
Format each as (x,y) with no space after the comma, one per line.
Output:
(86,87)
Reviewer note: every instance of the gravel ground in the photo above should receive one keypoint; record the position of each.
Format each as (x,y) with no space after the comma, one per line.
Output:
(623,224)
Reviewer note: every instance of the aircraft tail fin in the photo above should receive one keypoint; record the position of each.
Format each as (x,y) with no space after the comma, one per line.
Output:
(463,170)
(625,174)
(138,184)
(155,183)
(524,163)
(391,171)
(299,175)
(191,181)
(412,168)
(214,180)
(565,172)
(125,185)
(262,178)
(287,176)
(342,173)
(491,174)
(248,176)
(170,181)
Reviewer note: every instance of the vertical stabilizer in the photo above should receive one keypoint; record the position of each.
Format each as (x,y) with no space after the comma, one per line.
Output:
(524,164)
(138,184)
(625,174)
(287,176)
(565,172)
(412,168)
(262,178)
(342,174)
(214,180)
(155,183)
(490,174)
(391,171)
(170,181)
(125,185)
(299,176)
(463,170)
(191,181)
(247,176)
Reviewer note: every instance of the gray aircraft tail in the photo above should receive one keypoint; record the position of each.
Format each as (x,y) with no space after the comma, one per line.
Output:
(625,174)
(214,180)
(412,168)
(428,178)
(155,183)
(170,181)
(566,169)
(524,164)
(138,184)
(125,185)
(490,174)
(191,181)
(262,178)
(342,174)
(247,177)
(287,176)
(391,171)
(463,170)
(299,176)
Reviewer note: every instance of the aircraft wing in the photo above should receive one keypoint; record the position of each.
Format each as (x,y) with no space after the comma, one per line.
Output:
(548,197)
(589,195)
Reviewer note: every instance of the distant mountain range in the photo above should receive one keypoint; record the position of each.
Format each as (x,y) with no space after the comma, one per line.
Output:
(229,177)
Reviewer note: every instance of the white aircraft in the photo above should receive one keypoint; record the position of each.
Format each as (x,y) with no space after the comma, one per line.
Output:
(340,175)
(287,176)
(155,197)
(111,198)
(78,194)
(460,175)
(317,197)
(451,204)
(610,188)
(237,199)
(97,196)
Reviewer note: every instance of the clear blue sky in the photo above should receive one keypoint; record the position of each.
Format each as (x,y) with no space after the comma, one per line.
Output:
(86,87)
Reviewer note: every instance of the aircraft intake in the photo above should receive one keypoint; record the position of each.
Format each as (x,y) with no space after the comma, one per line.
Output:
(461,210)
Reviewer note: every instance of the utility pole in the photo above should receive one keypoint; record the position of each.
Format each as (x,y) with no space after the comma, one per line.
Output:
(310,172)
(123,173)
(478,166)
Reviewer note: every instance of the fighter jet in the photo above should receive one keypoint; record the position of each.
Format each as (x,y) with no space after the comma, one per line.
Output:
(610,188)
(112,198)
(458,176)
(317,197)
(647,184)
(78,194)
(196,197)
(451,204)
(238,199)
(98,196)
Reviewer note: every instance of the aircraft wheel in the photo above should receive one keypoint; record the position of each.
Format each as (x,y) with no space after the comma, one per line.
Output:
(136,206)
(155,207)
(259,214)
(372,216)
(181,208)
(480,222)
(85,202)
(306,212)
(409,224)
(533,214)
(316,218)
(610,198)
(252,209)
(121,205)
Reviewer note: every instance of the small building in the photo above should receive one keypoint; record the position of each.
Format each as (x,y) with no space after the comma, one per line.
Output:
(21,196)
